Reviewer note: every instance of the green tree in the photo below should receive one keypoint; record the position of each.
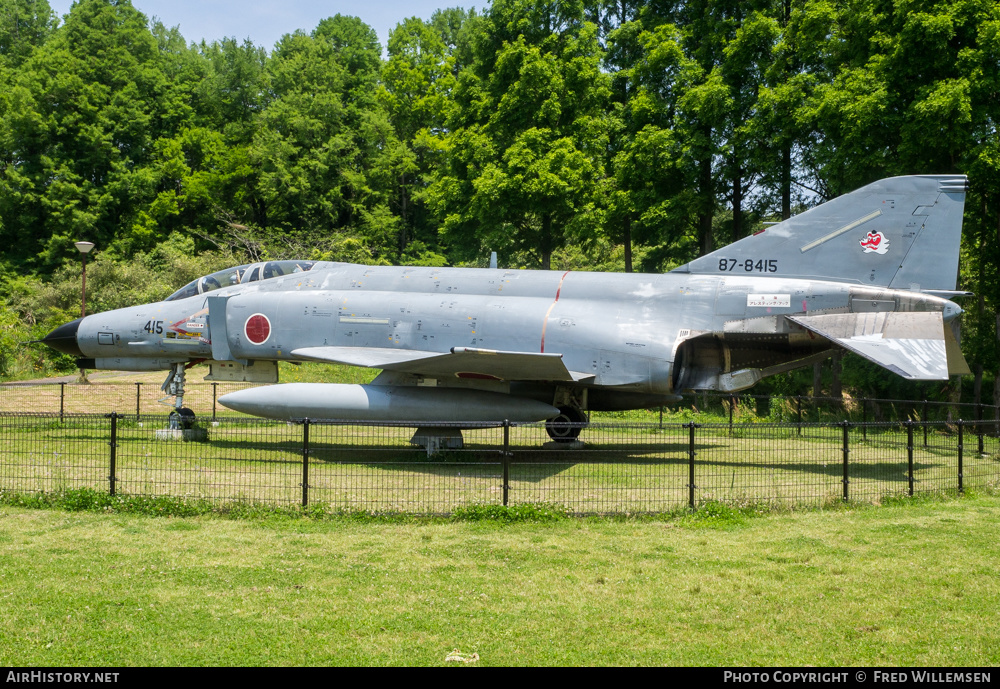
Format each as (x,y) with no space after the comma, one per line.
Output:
(24,25)
(79,122)
(909,88)
(325,148)
(649,175)
(527,135)
(417,82)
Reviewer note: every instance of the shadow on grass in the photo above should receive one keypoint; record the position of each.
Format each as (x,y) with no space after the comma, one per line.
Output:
(533,463)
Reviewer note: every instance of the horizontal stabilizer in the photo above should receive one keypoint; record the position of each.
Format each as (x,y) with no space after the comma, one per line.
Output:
(911,345)
(957,365)
(460,362)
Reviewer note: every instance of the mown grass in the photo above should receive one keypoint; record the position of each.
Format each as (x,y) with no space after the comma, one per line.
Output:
(909,583)
(90,500)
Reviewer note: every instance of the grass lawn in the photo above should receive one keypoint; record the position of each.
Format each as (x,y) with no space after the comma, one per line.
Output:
(912,582)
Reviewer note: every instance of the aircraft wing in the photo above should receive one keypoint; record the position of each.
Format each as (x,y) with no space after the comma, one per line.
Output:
(915,345)
(461,362)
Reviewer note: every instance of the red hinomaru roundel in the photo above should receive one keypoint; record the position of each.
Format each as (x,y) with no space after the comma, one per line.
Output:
(257,329)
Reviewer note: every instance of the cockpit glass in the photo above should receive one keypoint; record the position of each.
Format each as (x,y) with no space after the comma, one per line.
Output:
(240,275)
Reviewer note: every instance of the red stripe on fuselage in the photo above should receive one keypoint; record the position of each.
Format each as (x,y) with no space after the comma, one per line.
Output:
(552,306)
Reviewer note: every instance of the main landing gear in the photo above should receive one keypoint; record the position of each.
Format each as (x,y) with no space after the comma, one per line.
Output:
(566,427)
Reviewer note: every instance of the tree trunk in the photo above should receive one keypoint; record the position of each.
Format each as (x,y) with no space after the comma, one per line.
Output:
(402,214)
(546,244)
(836,389)
(707,206)
(786,182)
(954,397)
(817,380)
(977,386)
(996,407)
(738,205)
(628,243)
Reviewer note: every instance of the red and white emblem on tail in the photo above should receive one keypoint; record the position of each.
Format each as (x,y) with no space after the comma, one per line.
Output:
(875,242)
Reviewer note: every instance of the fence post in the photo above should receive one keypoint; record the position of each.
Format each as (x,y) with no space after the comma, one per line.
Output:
(661,417)
(138,386)
(62,400)
(305,462)
(113,445)
(864,419)
(798,412)
(506,459)
(213,400)
(960,448)
(732,403)
(847,452)
(909,453)
(691,426)
(925,423)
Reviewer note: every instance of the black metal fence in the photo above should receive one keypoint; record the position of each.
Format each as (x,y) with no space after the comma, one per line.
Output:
(138,399)
(619,467)
(805,408)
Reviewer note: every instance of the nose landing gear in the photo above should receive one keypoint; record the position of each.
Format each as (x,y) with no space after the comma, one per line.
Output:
(181,418)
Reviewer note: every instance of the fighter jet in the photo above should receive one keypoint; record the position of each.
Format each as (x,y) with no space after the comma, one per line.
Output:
(872,272)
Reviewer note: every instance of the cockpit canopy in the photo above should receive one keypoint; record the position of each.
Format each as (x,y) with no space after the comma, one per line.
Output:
(240,275)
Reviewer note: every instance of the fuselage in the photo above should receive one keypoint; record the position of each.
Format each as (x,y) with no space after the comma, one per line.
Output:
(623,329)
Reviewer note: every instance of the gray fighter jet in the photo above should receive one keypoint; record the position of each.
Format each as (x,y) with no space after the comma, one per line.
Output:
(872,272)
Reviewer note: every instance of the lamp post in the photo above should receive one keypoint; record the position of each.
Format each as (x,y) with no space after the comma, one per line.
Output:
(84,249)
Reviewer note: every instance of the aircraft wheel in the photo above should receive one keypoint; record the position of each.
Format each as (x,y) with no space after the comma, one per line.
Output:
(182,418)
(563,433)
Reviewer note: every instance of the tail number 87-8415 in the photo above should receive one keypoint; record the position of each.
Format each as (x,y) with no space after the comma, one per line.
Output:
(749,265)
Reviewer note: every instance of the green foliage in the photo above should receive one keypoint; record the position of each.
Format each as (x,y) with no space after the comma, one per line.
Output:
(715,515)
(111,283)
(90,500)
(24,25)
(572,135)
(527,135)
(32,307)
(510,514)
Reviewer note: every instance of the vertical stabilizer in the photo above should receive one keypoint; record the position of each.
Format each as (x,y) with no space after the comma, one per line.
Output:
(901,232)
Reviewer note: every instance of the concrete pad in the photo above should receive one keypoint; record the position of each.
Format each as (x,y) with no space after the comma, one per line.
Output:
(436,439)
(187,434)
(571,445)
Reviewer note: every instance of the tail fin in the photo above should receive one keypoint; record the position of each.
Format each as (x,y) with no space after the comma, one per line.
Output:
(901,232)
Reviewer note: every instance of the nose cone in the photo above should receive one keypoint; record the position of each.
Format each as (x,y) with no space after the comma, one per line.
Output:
(63,339)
